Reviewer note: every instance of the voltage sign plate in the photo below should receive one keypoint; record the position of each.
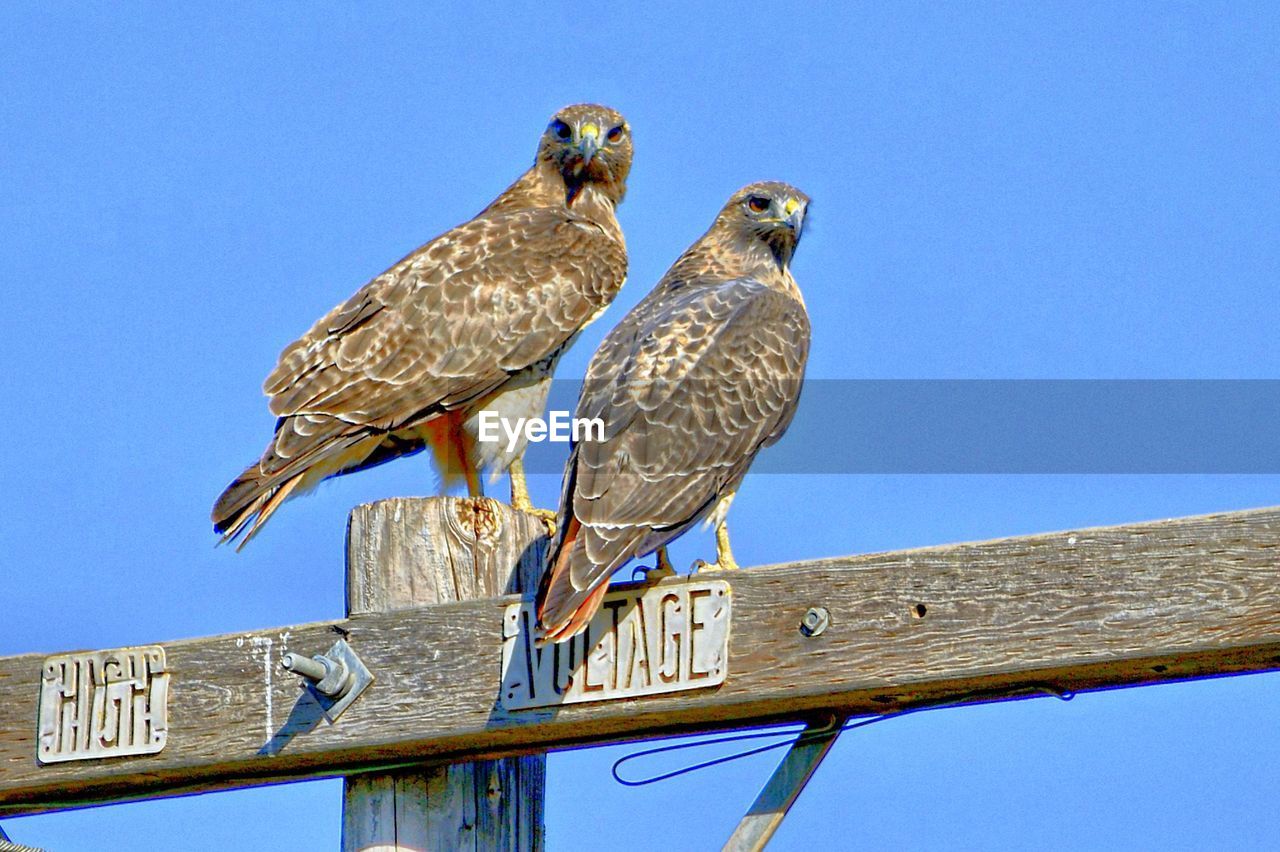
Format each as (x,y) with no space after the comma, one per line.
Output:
(645,640)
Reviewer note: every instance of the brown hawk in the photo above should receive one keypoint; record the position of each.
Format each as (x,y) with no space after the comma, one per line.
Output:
(694,381)
(474,319)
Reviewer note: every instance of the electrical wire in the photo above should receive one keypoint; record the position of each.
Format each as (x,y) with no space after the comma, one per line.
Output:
(982,696)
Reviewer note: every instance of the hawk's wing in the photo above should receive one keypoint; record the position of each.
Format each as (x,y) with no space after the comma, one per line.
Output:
(690,387)
(445,326)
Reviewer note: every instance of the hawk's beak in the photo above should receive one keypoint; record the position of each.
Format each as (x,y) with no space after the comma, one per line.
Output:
(590,143)
(795,214)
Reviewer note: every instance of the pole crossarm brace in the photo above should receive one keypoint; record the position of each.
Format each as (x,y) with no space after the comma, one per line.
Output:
(1082,610)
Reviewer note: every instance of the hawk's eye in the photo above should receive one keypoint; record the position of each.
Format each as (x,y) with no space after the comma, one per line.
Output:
(615,135)
(561,130)
(757,204)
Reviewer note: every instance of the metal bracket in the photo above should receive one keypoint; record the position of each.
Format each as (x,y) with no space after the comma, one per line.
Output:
(336,678)
(784,786)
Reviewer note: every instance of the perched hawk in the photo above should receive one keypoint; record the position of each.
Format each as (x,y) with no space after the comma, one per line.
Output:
(702,374)
(474,319)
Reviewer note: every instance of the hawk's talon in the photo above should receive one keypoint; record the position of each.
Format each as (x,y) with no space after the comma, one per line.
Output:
(548,518)
(701,565)
(660,571)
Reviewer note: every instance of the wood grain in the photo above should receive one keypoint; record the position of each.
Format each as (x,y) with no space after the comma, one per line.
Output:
(405,553)
(1081,610)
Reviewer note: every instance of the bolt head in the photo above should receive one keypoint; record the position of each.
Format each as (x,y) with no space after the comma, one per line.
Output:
(815,621)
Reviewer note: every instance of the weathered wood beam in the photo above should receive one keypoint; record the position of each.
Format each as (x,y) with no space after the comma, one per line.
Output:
(1080,610)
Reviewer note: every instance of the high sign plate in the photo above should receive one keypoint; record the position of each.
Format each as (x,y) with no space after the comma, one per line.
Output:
(645,640)
(103,704)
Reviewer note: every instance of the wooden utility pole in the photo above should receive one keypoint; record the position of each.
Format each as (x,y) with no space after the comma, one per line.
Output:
(407,553)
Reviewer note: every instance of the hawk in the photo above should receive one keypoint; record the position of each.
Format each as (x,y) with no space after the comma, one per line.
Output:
(701,375)
(475,319)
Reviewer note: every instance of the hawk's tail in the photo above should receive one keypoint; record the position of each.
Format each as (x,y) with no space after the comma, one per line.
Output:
(562,611)
(304,451)
(248,502)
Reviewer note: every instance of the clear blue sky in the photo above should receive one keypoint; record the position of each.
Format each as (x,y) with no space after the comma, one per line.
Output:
(1011,190)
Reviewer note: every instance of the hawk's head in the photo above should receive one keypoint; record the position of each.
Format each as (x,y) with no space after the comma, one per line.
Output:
(589,144)
(770,213)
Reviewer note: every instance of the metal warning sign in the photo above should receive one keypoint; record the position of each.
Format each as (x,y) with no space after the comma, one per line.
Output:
(103,704)
(645,640)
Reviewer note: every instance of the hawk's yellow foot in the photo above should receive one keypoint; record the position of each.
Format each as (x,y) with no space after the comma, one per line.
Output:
(661,569)
(724,553)
(521,502)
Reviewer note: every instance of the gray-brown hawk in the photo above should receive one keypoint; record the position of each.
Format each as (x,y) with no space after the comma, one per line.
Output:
(695,380)
(475,319)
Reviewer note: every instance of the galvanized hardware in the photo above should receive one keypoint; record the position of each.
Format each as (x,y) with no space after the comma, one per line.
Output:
(784,786)
(99,704)
(816,620)
(645,640)
(336,678)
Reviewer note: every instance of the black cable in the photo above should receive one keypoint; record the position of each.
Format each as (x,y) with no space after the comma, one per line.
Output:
(811,736)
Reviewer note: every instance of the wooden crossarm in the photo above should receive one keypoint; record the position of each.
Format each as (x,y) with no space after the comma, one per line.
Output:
(1089,609)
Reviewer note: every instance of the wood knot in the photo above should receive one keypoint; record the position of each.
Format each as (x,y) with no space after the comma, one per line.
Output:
(480,517)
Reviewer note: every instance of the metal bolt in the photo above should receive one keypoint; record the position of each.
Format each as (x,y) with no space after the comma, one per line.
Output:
(328,676)
(305,666)
(336,678)
(816,620)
